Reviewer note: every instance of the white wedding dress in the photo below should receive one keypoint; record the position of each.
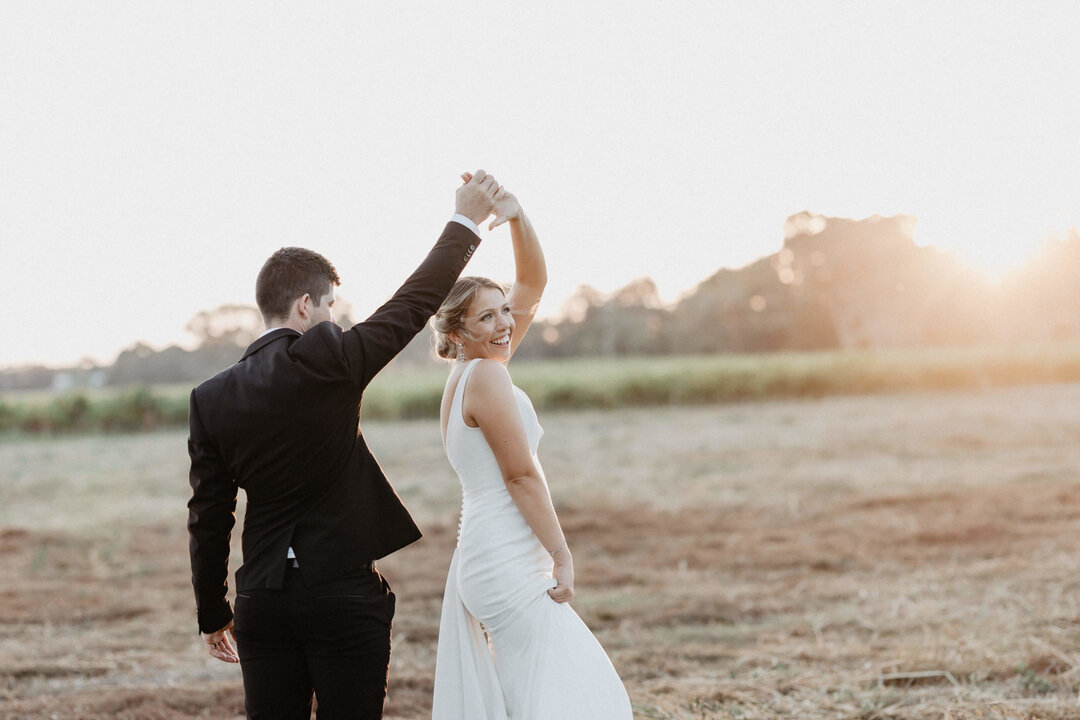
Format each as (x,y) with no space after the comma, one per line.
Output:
(507,651)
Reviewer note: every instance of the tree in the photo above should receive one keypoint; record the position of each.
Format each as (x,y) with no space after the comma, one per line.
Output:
(230,325)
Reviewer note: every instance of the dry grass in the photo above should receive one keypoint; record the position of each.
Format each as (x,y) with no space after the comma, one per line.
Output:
(909,556)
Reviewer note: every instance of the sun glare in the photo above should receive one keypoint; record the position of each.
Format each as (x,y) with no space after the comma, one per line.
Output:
(995,252)
(997,261)
(994,266)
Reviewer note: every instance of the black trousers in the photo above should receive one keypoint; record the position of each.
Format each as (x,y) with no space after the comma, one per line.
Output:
(331,639)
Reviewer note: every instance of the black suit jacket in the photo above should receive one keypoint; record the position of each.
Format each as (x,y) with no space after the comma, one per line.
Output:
(283,424)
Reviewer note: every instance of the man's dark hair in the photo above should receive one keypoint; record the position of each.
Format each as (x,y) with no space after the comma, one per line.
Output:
(288,274)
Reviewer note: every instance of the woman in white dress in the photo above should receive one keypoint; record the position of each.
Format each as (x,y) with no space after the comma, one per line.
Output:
(510,645)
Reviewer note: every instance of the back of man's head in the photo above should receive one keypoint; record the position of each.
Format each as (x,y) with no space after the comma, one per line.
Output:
(288,274)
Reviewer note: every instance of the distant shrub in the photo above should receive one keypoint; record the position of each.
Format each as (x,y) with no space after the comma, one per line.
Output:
(9,417)
(129,410)
(71,413)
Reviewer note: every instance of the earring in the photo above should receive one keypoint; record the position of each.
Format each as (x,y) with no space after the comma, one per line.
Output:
(460,352)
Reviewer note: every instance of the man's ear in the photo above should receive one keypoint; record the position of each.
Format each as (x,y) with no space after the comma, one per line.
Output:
(303,305)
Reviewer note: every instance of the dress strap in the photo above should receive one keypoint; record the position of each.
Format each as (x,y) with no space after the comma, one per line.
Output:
(459,391)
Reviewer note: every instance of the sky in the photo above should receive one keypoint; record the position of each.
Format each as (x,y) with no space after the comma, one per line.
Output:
(153,154)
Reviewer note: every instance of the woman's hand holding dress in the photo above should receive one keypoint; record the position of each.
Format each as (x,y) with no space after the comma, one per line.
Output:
(563,572)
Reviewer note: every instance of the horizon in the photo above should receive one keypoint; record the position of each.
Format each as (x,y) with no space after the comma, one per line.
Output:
(156,154)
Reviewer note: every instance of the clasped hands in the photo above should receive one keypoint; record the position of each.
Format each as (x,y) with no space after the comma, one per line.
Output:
(480,195)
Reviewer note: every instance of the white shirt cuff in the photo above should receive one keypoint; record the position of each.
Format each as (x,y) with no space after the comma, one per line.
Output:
(459,218)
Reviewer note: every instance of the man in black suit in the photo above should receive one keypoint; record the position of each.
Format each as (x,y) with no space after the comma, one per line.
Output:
(312,614)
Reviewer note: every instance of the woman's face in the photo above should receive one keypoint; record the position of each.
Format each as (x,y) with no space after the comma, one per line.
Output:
(489,325)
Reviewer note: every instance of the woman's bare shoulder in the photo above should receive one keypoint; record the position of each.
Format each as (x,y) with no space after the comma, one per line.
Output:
(490,376)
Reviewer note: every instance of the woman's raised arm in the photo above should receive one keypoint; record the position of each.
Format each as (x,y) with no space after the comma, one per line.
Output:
(530,268)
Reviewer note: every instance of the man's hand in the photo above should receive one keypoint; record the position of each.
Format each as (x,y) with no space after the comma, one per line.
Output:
(563,572)
(476,198)
(218,645)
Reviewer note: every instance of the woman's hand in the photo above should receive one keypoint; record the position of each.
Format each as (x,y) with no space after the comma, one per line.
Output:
(563,572)
(506,208)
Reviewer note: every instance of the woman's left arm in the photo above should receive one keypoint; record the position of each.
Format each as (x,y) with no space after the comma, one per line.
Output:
(530,275)
(530,268)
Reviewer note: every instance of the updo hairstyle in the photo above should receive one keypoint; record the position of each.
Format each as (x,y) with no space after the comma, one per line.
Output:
(451,314)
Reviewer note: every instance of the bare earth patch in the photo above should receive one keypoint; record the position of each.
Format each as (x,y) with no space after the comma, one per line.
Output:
(881,557)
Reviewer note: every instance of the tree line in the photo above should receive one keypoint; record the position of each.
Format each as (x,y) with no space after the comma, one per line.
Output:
(835,284)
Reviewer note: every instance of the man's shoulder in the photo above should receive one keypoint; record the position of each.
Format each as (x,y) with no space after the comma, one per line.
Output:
(319,345)
(262,349)
(212,386)
(222,379)
(326,329)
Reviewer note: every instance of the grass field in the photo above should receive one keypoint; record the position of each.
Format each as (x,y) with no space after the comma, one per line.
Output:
(911,555)
(413,392)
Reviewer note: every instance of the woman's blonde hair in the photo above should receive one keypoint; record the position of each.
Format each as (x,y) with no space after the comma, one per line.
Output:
(451,314)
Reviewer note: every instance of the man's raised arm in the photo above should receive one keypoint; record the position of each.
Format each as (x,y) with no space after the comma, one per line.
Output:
(369,345)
